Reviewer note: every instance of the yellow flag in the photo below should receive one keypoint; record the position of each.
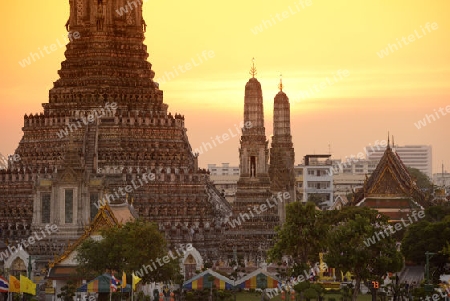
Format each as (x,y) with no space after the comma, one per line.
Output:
(135,280)
(14,285)
(27,286)
(124,280)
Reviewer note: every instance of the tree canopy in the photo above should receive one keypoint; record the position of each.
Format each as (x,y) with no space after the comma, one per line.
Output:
(358,243)
(429,235)
(347,237)
(136,246)
(302,235)
(422,180)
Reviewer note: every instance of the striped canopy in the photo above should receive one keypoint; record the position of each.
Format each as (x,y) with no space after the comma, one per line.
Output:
(207,279)
(258,279)
(101,284)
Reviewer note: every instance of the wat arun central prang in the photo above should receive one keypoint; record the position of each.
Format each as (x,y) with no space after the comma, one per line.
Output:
(106,128)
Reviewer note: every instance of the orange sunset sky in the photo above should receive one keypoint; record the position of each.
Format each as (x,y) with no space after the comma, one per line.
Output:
(386,88)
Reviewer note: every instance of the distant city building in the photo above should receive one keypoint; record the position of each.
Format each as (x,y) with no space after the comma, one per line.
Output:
(354,167)
(341,183)
(441,179)
(298,171)
(226,184)
(344,184)
(225,178)
(318,178)
(415,156)
(224,170)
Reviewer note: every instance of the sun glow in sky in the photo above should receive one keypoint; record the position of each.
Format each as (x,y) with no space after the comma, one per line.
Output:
(395,55)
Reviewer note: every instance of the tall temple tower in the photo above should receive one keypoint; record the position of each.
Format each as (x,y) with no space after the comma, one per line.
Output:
(106,136)
(282,155)
(253,153)
(255,213)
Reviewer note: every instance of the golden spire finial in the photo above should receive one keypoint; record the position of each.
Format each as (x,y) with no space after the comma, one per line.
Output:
(253,71)
(280,86)
(388,142)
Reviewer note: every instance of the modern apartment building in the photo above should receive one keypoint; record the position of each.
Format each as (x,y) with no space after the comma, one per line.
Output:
(415,156)
(318,178)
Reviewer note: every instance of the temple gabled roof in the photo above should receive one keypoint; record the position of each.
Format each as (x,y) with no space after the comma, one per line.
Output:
(390,179)
(107,216)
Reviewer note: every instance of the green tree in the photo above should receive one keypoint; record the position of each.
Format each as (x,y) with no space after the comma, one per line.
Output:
(349,249)
(436,213)
(67,292)
(310,293)
(426,236)
(446,250)
(346,292)
(309,290)
(128,248)
(315,198)
(302,236)
(422,180)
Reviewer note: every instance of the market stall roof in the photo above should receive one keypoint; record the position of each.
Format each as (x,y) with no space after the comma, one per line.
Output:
(101,284)
(206,279)
(258,279)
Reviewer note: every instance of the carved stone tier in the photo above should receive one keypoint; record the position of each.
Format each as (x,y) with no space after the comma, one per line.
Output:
(105,126)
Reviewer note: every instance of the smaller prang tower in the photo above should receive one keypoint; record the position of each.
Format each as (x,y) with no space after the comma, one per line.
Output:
(282,155)
(253,236)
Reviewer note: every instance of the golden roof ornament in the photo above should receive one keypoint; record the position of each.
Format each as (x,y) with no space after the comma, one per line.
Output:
(280,85)
(253,71)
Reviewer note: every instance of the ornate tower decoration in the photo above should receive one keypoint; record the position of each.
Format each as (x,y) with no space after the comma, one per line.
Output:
(254,154)
(106,16)
(106,135)
(282,155)
(257,228)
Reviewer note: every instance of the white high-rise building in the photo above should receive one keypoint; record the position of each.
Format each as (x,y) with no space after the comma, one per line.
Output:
(415,156)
